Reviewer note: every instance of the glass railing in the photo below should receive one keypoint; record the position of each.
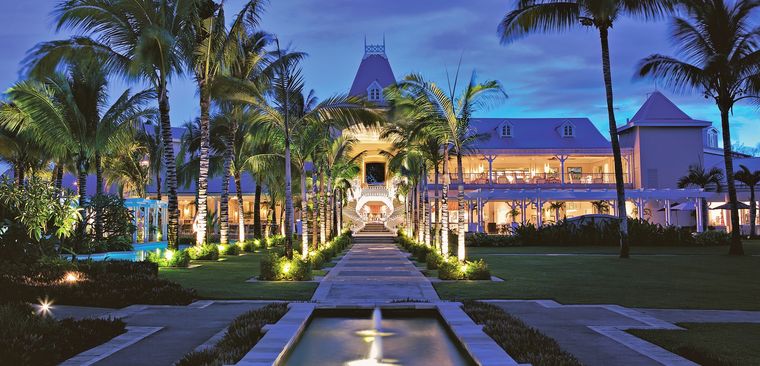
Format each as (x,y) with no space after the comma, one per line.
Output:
(519,178)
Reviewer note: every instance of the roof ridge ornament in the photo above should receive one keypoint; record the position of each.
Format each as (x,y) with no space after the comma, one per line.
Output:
(374,49)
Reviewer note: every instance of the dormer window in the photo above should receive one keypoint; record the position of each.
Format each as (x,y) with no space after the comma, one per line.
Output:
(505,130)
(375,92)
(712,138)
(567,130)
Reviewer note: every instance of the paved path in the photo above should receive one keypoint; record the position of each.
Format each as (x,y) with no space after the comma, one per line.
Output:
(182,328)
(596,335)
(374,271)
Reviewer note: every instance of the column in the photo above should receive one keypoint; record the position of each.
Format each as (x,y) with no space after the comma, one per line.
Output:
(146,224)
(562,159)
(135,212)
(700,217)
(164,224)
(490,159)
(480,215)
(667,212)
(539,212)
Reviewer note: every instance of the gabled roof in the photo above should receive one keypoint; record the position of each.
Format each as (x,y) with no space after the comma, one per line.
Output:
(373,68)
(659,111)
(538,133)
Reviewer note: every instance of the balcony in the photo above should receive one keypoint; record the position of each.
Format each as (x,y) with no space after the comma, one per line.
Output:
(550,180)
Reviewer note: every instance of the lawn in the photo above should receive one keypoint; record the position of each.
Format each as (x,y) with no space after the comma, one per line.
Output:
(225,279)
(751,247)
(713,281)
(710,344)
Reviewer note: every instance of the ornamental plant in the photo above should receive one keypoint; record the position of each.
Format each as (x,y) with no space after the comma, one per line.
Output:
(207,252)
(452,269)
(169,258)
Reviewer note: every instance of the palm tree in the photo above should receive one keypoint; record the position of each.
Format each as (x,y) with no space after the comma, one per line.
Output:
(452,126)
(67,115)
(18,147)
(136,39)
(697,176)
(150,140)
(718,45)
(751,180)
(126,169)
(557,206)
(550,15)
(601,206)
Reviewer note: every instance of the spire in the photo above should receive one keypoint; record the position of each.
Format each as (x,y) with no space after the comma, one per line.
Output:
(374,68)
(374,49)
(659,108)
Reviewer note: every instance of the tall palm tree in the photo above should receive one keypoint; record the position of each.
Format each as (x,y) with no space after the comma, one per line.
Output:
(452,126)
(751,179)
(698,176)
(18,147)
(541,16)
(717,43)
(126,169)
(136,39)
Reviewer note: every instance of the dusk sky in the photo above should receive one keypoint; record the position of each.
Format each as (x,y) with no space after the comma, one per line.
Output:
(545,76)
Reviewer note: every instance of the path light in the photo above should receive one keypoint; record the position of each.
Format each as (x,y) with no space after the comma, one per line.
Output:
(169,254)
(286,268)
(71,277)
(221,248)
(45,307)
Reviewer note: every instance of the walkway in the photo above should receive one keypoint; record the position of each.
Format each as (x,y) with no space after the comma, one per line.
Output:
(374,271)
(172,331)
(596,335)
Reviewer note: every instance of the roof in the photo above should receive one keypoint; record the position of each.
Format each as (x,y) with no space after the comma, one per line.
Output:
(374,67)
(659,111)
(538,133)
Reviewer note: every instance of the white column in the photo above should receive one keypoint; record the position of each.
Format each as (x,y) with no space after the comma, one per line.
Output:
(700,218)
(146,224)
(480,215)
(539,212)
(164,224)
(667,212)
(135,212)
(155,218)
(523,207)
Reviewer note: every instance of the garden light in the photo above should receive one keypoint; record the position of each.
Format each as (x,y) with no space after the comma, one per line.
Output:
(45,307)
(286,268)
(169,254)
(221,247)
(71,277)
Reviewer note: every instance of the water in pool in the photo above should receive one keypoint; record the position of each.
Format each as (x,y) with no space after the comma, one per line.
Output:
(406,338)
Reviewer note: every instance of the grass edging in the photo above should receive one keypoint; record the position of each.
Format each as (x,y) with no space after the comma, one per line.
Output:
(242,334)
(525,344)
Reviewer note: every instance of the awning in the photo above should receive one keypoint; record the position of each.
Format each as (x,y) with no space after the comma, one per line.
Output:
(727,206)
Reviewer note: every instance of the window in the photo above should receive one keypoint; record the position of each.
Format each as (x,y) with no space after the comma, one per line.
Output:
(712,138)
(567,130)
(506,130)
(374,94)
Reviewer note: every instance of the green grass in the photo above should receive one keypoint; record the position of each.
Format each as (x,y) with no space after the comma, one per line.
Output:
(225,279)
(751,247)
(686,281)
(710,344)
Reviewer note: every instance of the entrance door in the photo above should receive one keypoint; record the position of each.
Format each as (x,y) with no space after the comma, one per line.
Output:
(375,173)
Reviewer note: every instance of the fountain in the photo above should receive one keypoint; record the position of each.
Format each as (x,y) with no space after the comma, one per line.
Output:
(396,337)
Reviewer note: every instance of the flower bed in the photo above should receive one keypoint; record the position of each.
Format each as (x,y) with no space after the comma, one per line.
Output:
(523,343)
(242,335)
(30,339)
(448,268)
(107,284)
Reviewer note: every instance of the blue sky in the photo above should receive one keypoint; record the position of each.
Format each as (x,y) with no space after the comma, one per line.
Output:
(545,76)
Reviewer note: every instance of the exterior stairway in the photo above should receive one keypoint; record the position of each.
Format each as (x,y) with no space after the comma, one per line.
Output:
(374,228)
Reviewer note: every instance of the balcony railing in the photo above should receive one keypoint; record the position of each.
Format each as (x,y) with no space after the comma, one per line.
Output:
(519,178)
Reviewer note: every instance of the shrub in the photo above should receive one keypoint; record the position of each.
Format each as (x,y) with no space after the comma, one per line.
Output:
(252,245)
(208,252)
(433,260)
(242,335)
(169,258)
(317,259)
(525,344)
(712,237)
(229,249)
(485,240)
(452,269)
(117,227)
(279,268)
(29,339)
(107,284)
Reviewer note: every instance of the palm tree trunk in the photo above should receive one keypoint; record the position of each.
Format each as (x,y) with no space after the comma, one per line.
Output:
(98,192)
(158,185)
(426,220)
(59,176)
(460,203)
(618,157)
(328,216)
(224,219)
(288,200)
(322,212)
(752,211)
(205,102)
(257,210)
(241,212)
(315,211)
(18,173)
(445,205)
(82,168)
(304,220)
(437,227)
(728,158)
(170,164)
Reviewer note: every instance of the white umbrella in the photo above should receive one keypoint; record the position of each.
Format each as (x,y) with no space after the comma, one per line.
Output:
(686,206)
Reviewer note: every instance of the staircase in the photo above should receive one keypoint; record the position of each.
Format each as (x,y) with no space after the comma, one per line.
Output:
(374,228)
